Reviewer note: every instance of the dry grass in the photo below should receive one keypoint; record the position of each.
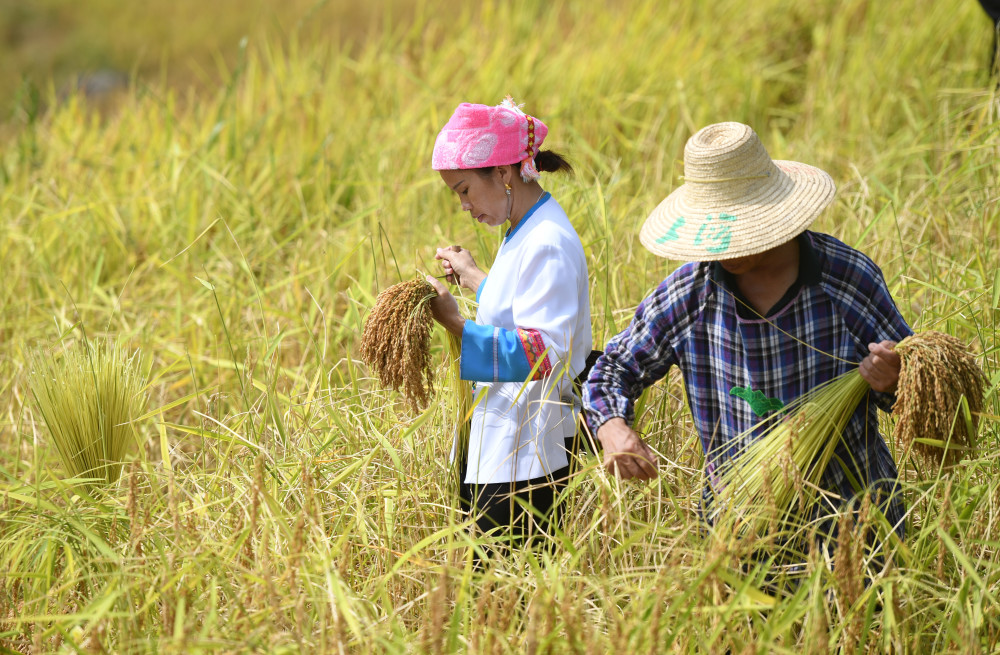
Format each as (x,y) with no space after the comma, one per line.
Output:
(938,381)
(395,342)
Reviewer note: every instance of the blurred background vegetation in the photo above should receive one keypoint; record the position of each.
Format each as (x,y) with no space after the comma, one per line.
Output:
(53,44)
(60,45)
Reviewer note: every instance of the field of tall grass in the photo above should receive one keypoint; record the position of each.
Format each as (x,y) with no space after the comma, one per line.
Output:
(278,500)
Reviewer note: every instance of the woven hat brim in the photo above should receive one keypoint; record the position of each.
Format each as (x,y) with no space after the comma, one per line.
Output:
(686,230)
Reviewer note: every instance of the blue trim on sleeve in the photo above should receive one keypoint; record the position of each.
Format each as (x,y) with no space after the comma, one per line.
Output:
(491,354)
(541,201)
(479,290)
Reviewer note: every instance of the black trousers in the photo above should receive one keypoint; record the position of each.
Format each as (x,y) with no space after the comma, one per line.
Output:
(518,510)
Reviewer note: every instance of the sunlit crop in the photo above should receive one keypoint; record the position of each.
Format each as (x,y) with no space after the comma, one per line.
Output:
(237,233)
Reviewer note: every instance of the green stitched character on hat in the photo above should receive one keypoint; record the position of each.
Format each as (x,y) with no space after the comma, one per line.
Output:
(713,230)
(671,234)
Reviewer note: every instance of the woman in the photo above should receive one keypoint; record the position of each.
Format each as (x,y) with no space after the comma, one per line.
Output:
(531,336)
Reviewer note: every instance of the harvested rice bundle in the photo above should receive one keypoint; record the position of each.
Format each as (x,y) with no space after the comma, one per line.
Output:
(395,341)
(90,398)
(777,469)
(938,371)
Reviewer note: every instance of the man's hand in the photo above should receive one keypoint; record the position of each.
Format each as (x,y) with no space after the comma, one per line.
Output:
(880,368)
(625,453)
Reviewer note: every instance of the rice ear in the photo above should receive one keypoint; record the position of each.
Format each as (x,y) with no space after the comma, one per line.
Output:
(939,398)
(395,340)
(938,402)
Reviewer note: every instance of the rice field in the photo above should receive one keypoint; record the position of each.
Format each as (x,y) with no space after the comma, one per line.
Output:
(234,226)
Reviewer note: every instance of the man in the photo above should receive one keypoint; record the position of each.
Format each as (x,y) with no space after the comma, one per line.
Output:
(992,9)
(763,312)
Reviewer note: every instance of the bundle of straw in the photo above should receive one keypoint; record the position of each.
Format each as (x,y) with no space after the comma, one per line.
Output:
(395,341)
(89,399)
(778,468)
(939,398)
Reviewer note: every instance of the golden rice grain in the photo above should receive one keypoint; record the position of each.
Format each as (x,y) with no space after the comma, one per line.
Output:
(938,371)
(395,341)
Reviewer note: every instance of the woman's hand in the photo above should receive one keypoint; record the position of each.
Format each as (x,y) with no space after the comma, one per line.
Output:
(880,368)
(460,268)
(625,453)
(444,308)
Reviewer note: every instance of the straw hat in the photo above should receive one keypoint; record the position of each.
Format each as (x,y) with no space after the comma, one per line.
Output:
(735,200)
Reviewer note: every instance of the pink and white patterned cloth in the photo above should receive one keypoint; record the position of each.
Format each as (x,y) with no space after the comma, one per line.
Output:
(479,136)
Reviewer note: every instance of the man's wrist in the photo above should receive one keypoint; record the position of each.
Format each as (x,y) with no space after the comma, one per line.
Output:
(611,425)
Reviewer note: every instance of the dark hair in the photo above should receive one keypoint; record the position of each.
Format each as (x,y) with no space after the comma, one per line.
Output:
(546,161)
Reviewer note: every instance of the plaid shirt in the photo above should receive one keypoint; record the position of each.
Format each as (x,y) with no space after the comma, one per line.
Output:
(695,320)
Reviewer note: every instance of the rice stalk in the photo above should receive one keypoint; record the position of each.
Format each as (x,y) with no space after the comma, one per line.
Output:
(395,340)
(463,397)
(89,399)
(938,379)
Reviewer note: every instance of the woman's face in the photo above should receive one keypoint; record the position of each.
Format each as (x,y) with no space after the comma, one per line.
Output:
(482,196)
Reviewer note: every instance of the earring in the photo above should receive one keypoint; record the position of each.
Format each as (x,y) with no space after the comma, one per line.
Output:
(507,188)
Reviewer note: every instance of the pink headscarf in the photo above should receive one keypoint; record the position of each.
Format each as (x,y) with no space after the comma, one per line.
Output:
(479,136)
